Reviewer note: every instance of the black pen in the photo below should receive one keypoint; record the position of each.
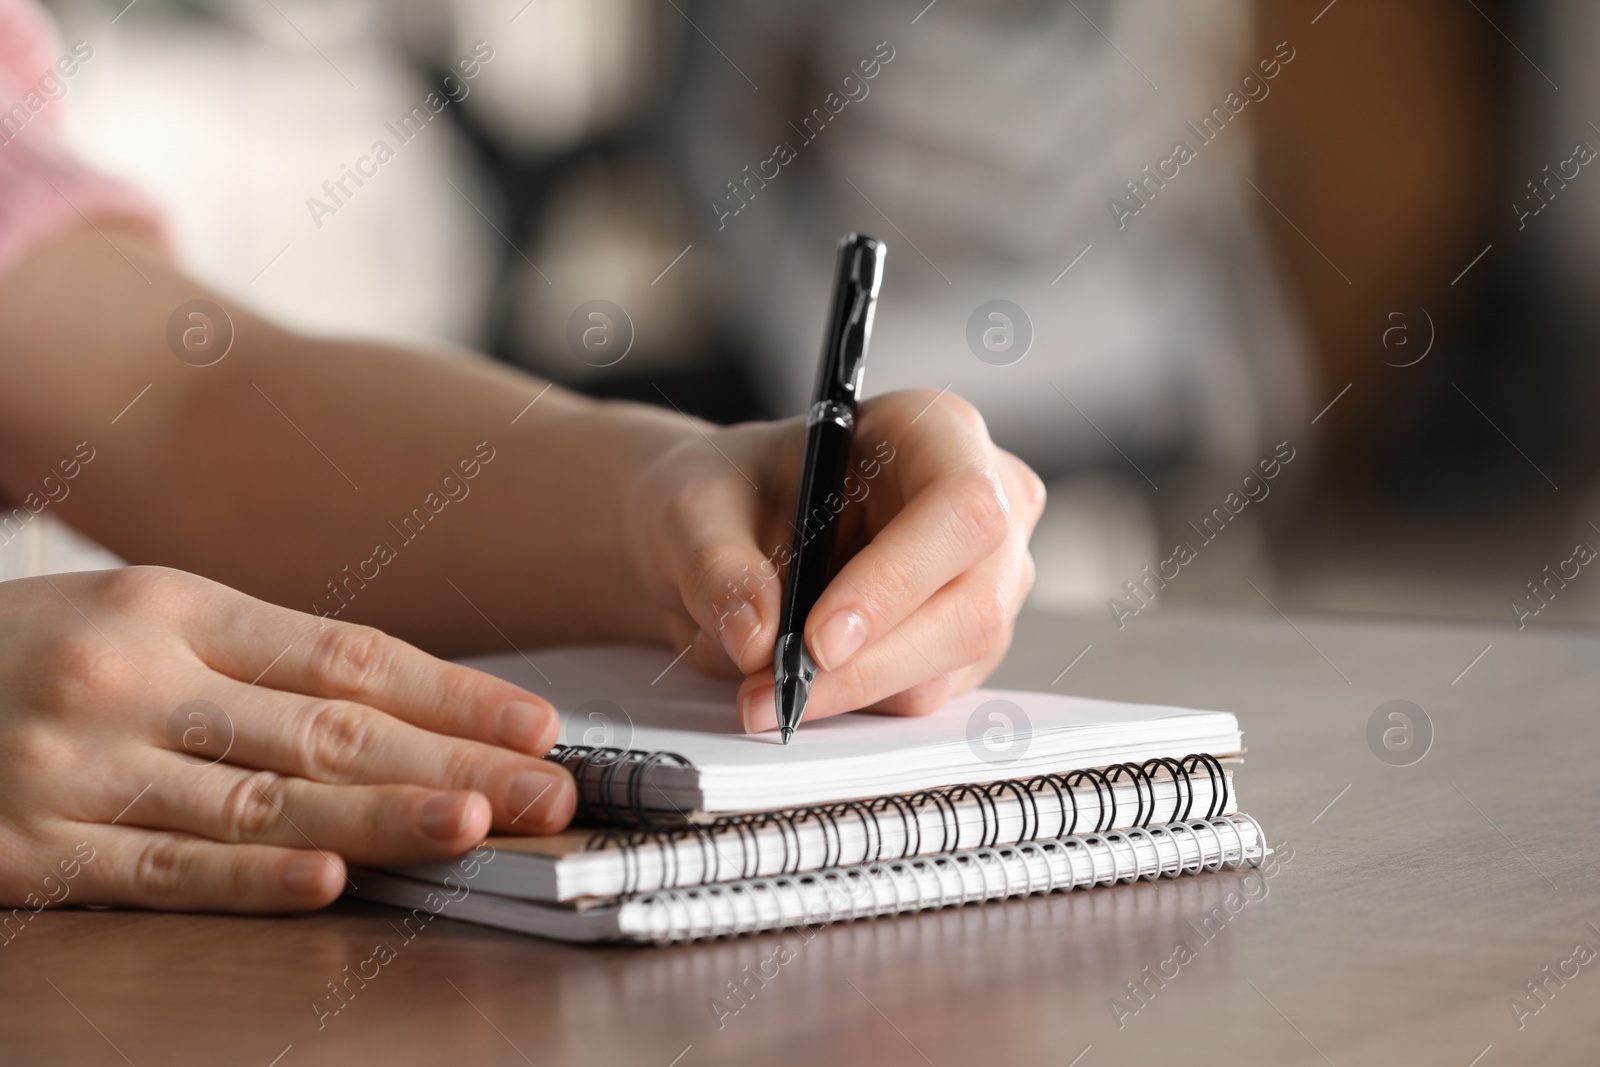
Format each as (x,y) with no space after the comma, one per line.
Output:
(830,431)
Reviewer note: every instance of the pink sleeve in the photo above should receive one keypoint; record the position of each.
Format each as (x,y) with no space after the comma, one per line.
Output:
(43,187)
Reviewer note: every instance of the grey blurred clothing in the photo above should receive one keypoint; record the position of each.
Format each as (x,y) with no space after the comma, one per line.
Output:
(986,151)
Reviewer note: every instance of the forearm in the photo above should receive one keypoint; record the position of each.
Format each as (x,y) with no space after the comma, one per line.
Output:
(410,490)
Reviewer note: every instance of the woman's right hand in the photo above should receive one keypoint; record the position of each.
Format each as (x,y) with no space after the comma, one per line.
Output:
(167,742)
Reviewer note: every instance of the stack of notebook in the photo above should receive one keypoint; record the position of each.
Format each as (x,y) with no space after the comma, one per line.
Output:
(691,829)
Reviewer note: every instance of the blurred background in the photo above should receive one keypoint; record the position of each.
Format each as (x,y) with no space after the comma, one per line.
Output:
(1374,253)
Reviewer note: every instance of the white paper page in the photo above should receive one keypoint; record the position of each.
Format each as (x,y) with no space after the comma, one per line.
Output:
(618,695)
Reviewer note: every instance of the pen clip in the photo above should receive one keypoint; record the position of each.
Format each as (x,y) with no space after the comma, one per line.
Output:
(861,276)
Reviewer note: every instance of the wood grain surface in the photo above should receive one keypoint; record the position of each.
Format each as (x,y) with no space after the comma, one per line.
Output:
(1410,910)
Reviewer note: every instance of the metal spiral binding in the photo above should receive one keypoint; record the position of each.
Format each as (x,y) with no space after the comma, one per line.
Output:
(928,882)
(636,831)
(598,793)
(597,770)
(1219,799)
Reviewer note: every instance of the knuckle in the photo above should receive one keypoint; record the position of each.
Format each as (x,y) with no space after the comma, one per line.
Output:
(879,596)
(159,870)
(335,735)
(81,663)
(854,686)
(966,415)
(710,565)
(925,699)
(463,765)
(1030,574)
(243,879)
(685,507)
(253,807)
(36,754)
(31,744)
(348,660)
(1038,495)
(140,588)
(981,510)
(462,691)
(988,621)
(1031,492)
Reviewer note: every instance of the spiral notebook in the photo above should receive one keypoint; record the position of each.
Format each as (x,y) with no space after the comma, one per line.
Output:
(840,894)
(649,737)
(619,862)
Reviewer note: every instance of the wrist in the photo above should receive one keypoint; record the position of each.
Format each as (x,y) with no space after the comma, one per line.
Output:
(626,442)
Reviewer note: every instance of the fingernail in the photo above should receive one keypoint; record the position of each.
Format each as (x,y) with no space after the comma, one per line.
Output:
(739,628)
(523,726)
(305,875)
(444,815)
(839,638)
(536,798)
(758,710)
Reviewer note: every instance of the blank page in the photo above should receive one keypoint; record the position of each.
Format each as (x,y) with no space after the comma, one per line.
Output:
(618,695)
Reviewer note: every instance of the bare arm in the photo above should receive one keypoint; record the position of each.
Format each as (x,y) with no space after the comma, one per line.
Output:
(294,463)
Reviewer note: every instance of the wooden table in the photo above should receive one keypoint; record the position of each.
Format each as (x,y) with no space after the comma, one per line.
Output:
(1418,902)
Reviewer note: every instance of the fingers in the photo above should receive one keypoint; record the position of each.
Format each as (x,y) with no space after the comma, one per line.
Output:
(923,610)
(958,510)
(926,608)
(366,824)
(251,640)
(919,699)
(1025,490)
(727,584)
(341,742)
(948,527)
(131,867)
(921,662)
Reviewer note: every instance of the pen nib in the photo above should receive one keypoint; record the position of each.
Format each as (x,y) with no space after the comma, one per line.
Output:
(793,672)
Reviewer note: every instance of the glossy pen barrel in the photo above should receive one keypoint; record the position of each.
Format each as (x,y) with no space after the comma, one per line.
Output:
(816,520)
(820,500)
